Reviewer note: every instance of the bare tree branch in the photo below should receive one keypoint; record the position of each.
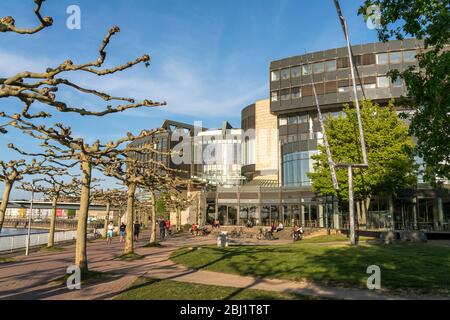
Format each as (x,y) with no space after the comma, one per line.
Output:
(7,24)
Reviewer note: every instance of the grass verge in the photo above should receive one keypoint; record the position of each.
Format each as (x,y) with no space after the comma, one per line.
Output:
(129,257)
(87,277)
(153,245)
(406,267)
(154,289)
(7,260)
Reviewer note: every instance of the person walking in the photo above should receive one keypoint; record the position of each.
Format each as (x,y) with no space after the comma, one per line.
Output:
(167,227)
(109,233)
(137,229)
(162,228)
(123,229)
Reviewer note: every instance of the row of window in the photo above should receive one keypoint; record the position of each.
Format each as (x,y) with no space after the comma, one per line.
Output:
(301,137)
(305,118)
(332,87)
(395,57)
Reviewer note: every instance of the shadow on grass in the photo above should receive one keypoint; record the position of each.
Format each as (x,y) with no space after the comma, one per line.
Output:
(405,268)
(7,260)
(129,257)
(88,277)
(149,288)
(153,245)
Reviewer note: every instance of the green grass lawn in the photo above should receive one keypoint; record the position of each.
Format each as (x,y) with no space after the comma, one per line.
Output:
(332,238)
(6,260)
(153,289)
(422,268)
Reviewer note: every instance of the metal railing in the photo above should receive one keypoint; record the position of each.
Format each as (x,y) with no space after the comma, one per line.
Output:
(15,242)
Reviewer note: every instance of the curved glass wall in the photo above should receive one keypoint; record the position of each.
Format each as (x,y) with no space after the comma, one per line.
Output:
(296,167)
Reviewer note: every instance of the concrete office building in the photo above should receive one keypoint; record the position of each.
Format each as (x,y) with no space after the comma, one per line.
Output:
(268,181)
(277,186)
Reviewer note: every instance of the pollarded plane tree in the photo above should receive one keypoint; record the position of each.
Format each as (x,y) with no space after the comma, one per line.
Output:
(130,169)
(178,201)
(54,190)
(111,198)
(138,168)
(30,87)
(170,184)
(142,211)
(69,151)
(13,171)
(42,87)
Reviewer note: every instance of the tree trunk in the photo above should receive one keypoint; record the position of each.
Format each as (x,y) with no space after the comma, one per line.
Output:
(81,252)
(153,222)
(4,205)
(365,209)
(105,227)
(51,236)
(130,218)
(358,211)
(178,219)
(145,216)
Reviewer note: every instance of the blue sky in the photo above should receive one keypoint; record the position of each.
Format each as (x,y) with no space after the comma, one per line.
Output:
(210,58)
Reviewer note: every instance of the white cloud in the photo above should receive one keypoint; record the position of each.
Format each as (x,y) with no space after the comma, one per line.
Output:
(187,88)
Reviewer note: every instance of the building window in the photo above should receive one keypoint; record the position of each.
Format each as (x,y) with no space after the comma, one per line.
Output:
(284,74)
(383,82)
(296,93)
(293,120)
(306,69)
(296,72)
(398,82)
(368,59)
(274,96)
(335,114)
(275,75)
(343,63)
(295,169)
(382,58)
(307,90)
(409,56)
(303,118)
(395,57)
(283,121)
(330,65)
(330,87)
(285,95)
(318,67)
(370,86)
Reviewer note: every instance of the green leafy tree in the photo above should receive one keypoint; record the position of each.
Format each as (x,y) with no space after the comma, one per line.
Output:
(428,84)
(389,151)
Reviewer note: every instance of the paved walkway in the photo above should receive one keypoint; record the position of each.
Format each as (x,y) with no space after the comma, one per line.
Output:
(30,278)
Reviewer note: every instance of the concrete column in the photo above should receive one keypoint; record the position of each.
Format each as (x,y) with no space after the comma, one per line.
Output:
(438,214)
(415,202)
(216,215)
(391,211)
(302,213)
(238,218)
(336,215)
(320,215)
(259,207)
(440,208)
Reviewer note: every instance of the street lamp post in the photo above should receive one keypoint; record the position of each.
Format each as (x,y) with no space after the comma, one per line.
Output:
(27,244)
